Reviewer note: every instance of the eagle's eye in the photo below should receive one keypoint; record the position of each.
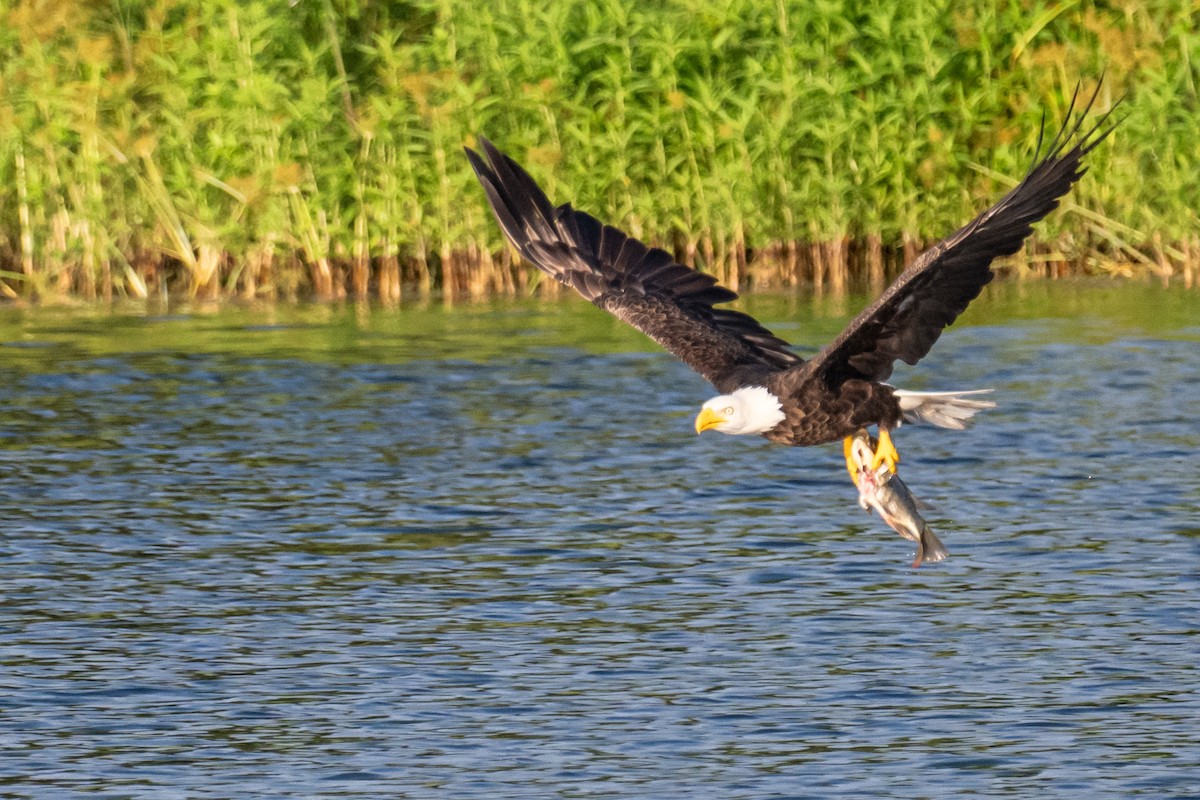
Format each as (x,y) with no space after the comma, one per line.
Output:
(727,411)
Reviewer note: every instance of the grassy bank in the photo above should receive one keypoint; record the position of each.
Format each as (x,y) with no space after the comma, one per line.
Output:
(277,149)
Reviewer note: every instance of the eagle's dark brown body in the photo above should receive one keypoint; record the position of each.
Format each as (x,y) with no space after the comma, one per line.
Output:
(842,388)
(818,414)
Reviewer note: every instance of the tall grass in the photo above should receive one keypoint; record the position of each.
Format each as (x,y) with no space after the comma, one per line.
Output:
(222,148)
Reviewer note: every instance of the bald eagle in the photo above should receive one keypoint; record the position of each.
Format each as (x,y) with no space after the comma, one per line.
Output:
(765,387)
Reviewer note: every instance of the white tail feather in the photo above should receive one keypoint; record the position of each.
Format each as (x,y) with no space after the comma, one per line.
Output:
(944,409)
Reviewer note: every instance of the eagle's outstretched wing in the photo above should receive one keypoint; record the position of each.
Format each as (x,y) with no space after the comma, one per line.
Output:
(930,294)
(643,286)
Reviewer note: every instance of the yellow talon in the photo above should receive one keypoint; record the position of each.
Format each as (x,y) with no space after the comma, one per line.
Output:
(885,452)
(851,466)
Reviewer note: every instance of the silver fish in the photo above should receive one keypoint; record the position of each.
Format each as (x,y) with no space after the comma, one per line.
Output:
(882,490)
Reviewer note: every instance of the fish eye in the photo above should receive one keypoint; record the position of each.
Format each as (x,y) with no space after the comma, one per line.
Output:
(727,411)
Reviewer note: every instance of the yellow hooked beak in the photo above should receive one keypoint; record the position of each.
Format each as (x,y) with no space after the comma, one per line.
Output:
(707,418)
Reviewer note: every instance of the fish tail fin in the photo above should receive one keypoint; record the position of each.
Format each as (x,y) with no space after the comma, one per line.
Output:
(930,548)
(944,409)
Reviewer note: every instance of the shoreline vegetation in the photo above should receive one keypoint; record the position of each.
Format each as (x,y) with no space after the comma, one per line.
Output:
(219,149)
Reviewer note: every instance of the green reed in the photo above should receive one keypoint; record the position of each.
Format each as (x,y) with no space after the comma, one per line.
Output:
(218,148)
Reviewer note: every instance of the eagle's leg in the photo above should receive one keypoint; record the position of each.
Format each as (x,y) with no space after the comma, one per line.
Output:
(851,466)
(885,452)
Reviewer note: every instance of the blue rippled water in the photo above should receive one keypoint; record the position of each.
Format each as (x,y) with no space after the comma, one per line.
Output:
(479,552)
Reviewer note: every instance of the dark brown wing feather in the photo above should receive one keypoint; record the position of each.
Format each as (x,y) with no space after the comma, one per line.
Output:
(643,286)
(909,317)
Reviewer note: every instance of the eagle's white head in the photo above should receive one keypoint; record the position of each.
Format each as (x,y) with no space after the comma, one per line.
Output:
(751,409)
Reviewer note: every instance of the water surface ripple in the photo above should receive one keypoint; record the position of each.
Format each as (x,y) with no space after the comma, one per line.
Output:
(480,553)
